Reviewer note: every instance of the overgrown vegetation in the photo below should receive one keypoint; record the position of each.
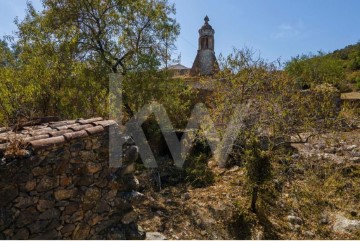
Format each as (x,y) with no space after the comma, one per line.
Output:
(279,114)
(62,69)
(340,68)
(59,60)
(197,172)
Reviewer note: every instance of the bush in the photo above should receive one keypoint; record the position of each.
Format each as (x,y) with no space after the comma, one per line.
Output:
(357,83)
(197,172)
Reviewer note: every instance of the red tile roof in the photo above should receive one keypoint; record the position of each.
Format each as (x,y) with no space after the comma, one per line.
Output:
(51,133)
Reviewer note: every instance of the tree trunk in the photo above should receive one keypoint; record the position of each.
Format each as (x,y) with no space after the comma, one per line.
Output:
(254,197)
(124,97)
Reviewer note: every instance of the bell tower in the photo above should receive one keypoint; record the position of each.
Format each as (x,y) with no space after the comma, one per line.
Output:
(206,39)
(205,62)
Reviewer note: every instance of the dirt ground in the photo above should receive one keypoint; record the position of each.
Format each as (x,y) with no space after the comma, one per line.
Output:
(304,199)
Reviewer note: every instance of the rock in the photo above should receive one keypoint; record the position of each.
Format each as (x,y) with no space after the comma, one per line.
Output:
(92,195)
(134,231)
(61,203)
(45,204)
(127,140)
(131,154)
(47,183)
(26,217)
(82,231)
(116,232)
(65,181)
(8,232)
(49,235)
(6,214)
(186,196)
(321,146)
(350,148)
(39,226)
(30,185)
(324,219)
(77,216)
(68,228)
(355,153)
(129,217)
(87,156)
(102,207)
(128,169)
(52,213)
(88,214)
(21,234)
(40,171)
(71,208)
(309,234)
(344,225)
(131,181)
(234,169)
(84,180)
(295,156)
(154,236)
(296,228)
(7,194)
(355,159)
(95,220)
(111,195)
(64,194)
(55,224)
(331,150)
(93,167)
(294,220)
(133,197)
(24,202)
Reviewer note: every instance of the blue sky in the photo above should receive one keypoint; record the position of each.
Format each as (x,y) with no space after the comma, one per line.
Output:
(273,28)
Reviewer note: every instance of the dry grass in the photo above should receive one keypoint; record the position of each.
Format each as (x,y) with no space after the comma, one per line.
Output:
(306,187)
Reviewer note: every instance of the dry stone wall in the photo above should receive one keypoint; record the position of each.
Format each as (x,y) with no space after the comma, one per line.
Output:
(56,183)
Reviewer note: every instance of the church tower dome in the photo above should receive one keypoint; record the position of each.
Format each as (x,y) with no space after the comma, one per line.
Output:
(205,62)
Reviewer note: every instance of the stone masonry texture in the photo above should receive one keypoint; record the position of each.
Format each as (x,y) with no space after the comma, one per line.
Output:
(56,183)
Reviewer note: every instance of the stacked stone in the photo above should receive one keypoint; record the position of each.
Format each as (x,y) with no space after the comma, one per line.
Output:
(63,188)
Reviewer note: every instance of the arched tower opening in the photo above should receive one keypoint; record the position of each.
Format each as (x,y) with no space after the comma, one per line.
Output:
(205,62)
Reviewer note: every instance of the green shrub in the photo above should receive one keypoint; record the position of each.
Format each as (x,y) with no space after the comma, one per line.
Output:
(357,83)
(197,172)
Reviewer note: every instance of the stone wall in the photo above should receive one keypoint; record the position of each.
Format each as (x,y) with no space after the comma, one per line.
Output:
(60,186)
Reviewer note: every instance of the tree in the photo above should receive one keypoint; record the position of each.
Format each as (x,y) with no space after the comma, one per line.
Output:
(258,168)
(15,92)
(65,52)
(118,33)
(279,114)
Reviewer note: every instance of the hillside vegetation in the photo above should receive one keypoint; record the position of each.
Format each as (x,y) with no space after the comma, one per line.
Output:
(341,68)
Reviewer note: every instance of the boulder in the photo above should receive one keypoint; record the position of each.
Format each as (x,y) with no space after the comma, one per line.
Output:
(345,225)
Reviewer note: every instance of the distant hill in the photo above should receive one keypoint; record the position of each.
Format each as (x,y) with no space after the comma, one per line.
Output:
(341,68)
(350,57)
